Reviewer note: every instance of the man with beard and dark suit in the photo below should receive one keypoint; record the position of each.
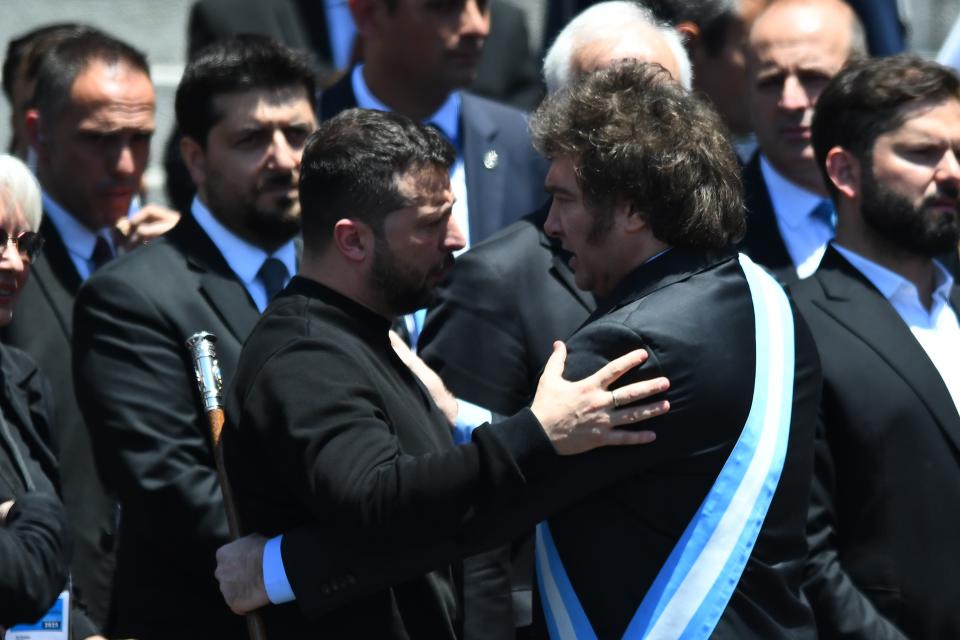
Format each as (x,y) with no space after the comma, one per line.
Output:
(90,123)
(700,532)
(245,108)
(511,296)
(794,48)
(884,558)
(327,425)
(417,58)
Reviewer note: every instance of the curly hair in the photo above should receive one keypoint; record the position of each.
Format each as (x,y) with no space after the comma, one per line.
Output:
(638,137)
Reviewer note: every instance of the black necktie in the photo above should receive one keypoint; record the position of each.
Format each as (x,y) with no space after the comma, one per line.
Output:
(272,274)
(102,253)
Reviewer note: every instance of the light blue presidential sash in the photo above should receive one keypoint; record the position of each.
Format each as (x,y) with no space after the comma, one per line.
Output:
(693,588)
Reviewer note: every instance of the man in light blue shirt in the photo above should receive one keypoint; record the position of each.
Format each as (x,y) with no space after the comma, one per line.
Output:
(882,534)
(245,108)
(795,47)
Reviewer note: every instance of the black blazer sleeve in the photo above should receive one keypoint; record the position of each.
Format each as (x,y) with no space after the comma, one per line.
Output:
(35,549)
(131,374)
(837,602)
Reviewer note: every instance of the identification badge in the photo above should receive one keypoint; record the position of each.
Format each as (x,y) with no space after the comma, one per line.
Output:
(52,626)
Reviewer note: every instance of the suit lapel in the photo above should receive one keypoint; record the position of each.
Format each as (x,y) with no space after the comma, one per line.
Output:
(16,401)
(763,241)
(486,173)
(856,304)
(56,276)
(337,98)
(217,282)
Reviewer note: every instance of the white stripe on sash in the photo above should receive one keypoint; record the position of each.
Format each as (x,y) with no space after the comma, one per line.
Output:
(693,588)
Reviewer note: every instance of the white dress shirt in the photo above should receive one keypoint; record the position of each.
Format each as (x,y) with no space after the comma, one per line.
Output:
(805,236)
(935,329)
(243,258)
(78,239)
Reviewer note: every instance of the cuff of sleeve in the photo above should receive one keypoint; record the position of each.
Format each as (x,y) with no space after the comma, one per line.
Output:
(469,417)
(524,437)
(274,576)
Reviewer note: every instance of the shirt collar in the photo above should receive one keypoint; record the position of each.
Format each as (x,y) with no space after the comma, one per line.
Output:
(892,285)
(244,258)
(791,202)
(446,118)
(78,239)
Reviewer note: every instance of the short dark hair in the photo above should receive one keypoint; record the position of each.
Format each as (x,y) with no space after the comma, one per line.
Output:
(637,136)
(24,51)
(60,66)
(351,166)
(711,16)
(865,100)
(242,63)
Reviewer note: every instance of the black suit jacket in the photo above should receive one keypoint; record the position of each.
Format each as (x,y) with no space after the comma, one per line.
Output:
(35,542)
(618,512)
(136,382)
(496,196)
(506,301)
(42,327)
(488,337)
(299,24)
(884,560)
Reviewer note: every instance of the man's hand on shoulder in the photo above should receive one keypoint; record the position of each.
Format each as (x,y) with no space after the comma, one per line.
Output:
(438,391)
(149,223)
(240,573)
(583,415)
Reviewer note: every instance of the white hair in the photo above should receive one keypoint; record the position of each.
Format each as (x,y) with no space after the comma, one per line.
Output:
(603,22)
(19,187)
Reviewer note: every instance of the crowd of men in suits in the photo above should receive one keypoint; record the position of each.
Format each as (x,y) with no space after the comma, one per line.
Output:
(386,490)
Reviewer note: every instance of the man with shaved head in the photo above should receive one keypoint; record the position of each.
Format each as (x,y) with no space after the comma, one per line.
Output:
(795,47)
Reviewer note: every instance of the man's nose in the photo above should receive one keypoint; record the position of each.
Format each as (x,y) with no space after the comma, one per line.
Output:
(552,225)
(794,95)
(454,239)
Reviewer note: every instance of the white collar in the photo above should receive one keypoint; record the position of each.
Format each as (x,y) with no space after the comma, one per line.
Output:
(792,203)
(243,258)
(446,118)
(78,239)
(891,284)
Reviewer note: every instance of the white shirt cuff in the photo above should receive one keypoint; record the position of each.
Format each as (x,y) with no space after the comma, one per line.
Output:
(274,576)
(469,417)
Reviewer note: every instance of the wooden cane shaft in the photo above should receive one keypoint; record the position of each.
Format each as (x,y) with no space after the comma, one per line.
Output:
(255,626)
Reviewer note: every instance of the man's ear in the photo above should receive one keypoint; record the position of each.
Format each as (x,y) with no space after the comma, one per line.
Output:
(844,171)
(689,33)
(354,239)
(195,158)
(633,220)
(36,132)
(364,12)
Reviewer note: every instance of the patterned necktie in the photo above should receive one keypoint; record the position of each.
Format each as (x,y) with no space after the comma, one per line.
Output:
(102,253)
(272,274)
(824,212)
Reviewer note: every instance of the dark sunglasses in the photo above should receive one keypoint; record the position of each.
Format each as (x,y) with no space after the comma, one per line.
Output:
(28,243)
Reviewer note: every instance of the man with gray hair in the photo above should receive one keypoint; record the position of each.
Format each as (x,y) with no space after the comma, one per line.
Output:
(510,297)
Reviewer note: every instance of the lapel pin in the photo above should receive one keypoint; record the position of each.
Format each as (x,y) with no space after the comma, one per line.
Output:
(491,159)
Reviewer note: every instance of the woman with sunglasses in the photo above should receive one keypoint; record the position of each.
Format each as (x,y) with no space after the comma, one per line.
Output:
(35,544)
